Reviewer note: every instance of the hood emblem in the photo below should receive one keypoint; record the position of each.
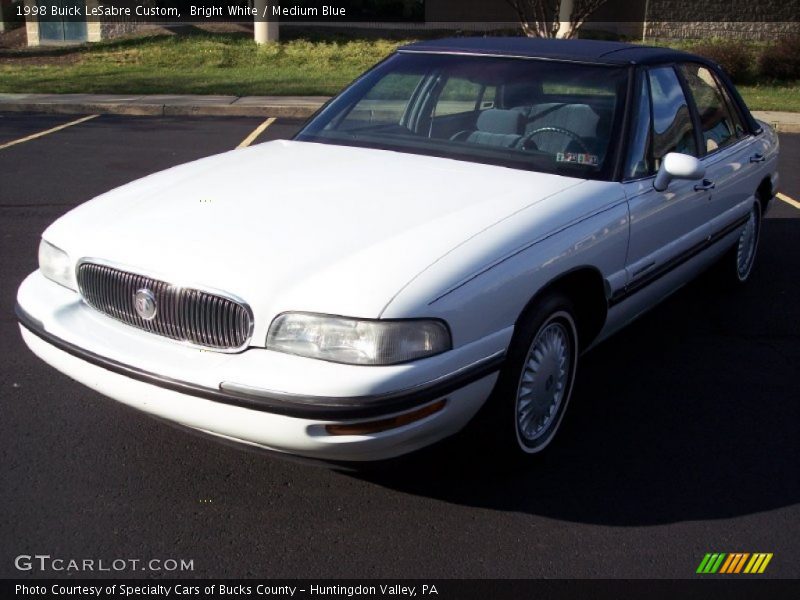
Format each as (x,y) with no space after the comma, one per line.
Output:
(144,301)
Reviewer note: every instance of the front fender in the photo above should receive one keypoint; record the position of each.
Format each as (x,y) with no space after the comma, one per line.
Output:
(490,280)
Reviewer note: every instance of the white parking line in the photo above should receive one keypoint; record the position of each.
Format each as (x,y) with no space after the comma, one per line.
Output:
(256,132)
(46,132)
(789,201)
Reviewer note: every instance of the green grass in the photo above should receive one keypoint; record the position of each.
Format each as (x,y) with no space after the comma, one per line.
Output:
(230,63)
(194,64)
(782,96)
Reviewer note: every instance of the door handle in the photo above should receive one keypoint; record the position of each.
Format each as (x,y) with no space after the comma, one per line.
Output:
(706,185)
(757,158)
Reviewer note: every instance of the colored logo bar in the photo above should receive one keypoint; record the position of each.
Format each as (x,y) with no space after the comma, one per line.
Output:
(734,563)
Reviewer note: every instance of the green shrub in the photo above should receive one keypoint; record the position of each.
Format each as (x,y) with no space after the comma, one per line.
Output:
(781,60)
(738,59)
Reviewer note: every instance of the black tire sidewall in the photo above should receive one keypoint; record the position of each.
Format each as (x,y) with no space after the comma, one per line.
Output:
(503,402)
(739,279)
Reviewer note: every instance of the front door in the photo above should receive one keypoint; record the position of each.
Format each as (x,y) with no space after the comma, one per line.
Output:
(664,226)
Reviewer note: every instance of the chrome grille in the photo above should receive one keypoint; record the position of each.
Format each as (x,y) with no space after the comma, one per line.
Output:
(185,314)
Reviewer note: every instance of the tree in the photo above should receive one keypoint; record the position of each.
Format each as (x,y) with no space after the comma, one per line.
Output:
(553,18)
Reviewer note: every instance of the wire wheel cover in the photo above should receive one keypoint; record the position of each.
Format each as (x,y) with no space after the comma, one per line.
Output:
(543,382)
(746,249)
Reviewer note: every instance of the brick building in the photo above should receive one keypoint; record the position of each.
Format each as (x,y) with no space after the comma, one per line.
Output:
(636,19)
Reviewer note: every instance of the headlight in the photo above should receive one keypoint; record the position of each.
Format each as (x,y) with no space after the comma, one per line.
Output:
(357,341)
(56,266)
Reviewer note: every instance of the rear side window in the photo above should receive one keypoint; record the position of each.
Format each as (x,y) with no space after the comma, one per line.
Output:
(672,121)
(738,123)
(716,122)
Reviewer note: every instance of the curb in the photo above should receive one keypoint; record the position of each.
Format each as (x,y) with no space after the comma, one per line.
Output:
(281,111)
(270,109)
(780,121)
(785,127)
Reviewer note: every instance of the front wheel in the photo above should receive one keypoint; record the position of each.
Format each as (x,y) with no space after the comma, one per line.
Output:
(535,384)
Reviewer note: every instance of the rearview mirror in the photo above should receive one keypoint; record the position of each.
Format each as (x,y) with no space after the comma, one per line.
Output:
(678,166)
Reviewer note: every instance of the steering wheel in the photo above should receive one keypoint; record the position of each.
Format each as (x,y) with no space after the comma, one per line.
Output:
(565,132)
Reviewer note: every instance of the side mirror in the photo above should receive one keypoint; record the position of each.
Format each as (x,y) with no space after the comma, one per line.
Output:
(678,166)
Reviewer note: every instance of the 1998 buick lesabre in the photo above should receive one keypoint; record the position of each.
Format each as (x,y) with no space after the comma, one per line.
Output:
(449,233)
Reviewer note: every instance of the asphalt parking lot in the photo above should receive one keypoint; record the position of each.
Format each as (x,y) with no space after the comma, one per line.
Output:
(683,436)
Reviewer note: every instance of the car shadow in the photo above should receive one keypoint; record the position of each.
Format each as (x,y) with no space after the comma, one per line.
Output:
(690,413)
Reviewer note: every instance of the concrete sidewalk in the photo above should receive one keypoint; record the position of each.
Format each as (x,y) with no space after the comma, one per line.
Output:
(291,107)
(783,122)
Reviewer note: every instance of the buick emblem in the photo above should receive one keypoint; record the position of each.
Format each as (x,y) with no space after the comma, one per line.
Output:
(144,301)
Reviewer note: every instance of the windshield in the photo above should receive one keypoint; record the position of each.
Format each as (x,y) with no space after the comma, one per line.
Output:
(548,116)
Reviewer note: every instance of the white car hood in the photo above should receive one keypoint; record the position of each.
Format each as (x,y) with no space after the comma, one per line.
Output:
(297,225)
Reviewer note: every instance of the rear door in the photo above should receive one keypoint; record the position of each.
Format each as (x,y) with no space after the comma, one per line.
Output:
(728,153)
(665,226)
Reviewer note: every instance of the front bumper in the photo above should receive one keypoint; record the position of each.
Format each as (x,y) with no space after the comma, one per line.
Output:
(266,399)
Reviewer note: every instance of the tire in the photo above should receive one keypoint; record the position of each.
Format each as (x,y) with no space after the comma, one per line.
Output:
(535,384)
(736,265)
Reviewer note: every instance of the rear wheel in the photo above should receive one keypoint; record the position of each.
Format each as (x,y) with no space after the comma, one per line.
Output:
(535,384)
(747,245)
(736,265)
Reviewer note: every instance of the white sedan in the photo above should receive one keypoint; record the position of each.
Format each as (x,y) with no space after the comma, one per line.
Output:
(435,248)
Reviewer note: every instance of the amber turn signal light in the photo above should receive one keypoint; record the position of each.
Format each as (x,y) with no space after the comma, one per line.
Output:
(384,424)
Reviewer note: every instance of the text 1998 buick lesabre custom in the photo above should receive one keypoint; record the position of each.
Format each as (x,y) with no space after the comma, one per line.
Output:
(449,233)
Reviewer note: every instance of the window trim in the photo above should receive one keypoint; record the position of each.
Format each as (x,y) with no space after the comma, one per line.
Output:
(641,77)
(623,119)
(650,156)
(695,114)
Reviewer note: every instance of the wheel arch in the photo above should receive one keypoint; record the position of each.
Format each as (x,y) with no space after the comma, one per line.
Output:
(586,289)
(765,193)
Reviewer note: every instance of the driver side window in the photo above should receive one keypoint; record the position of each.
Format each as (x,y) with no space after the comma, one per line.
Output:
(673,130)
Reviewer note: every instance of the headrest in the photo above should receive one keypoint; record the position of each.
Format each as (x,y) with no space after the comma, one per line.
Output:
(496,120)
(522,93)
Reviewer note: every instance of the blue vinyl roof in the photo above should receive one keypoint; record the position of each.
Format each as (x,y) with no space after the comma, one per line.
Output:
(569,50)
